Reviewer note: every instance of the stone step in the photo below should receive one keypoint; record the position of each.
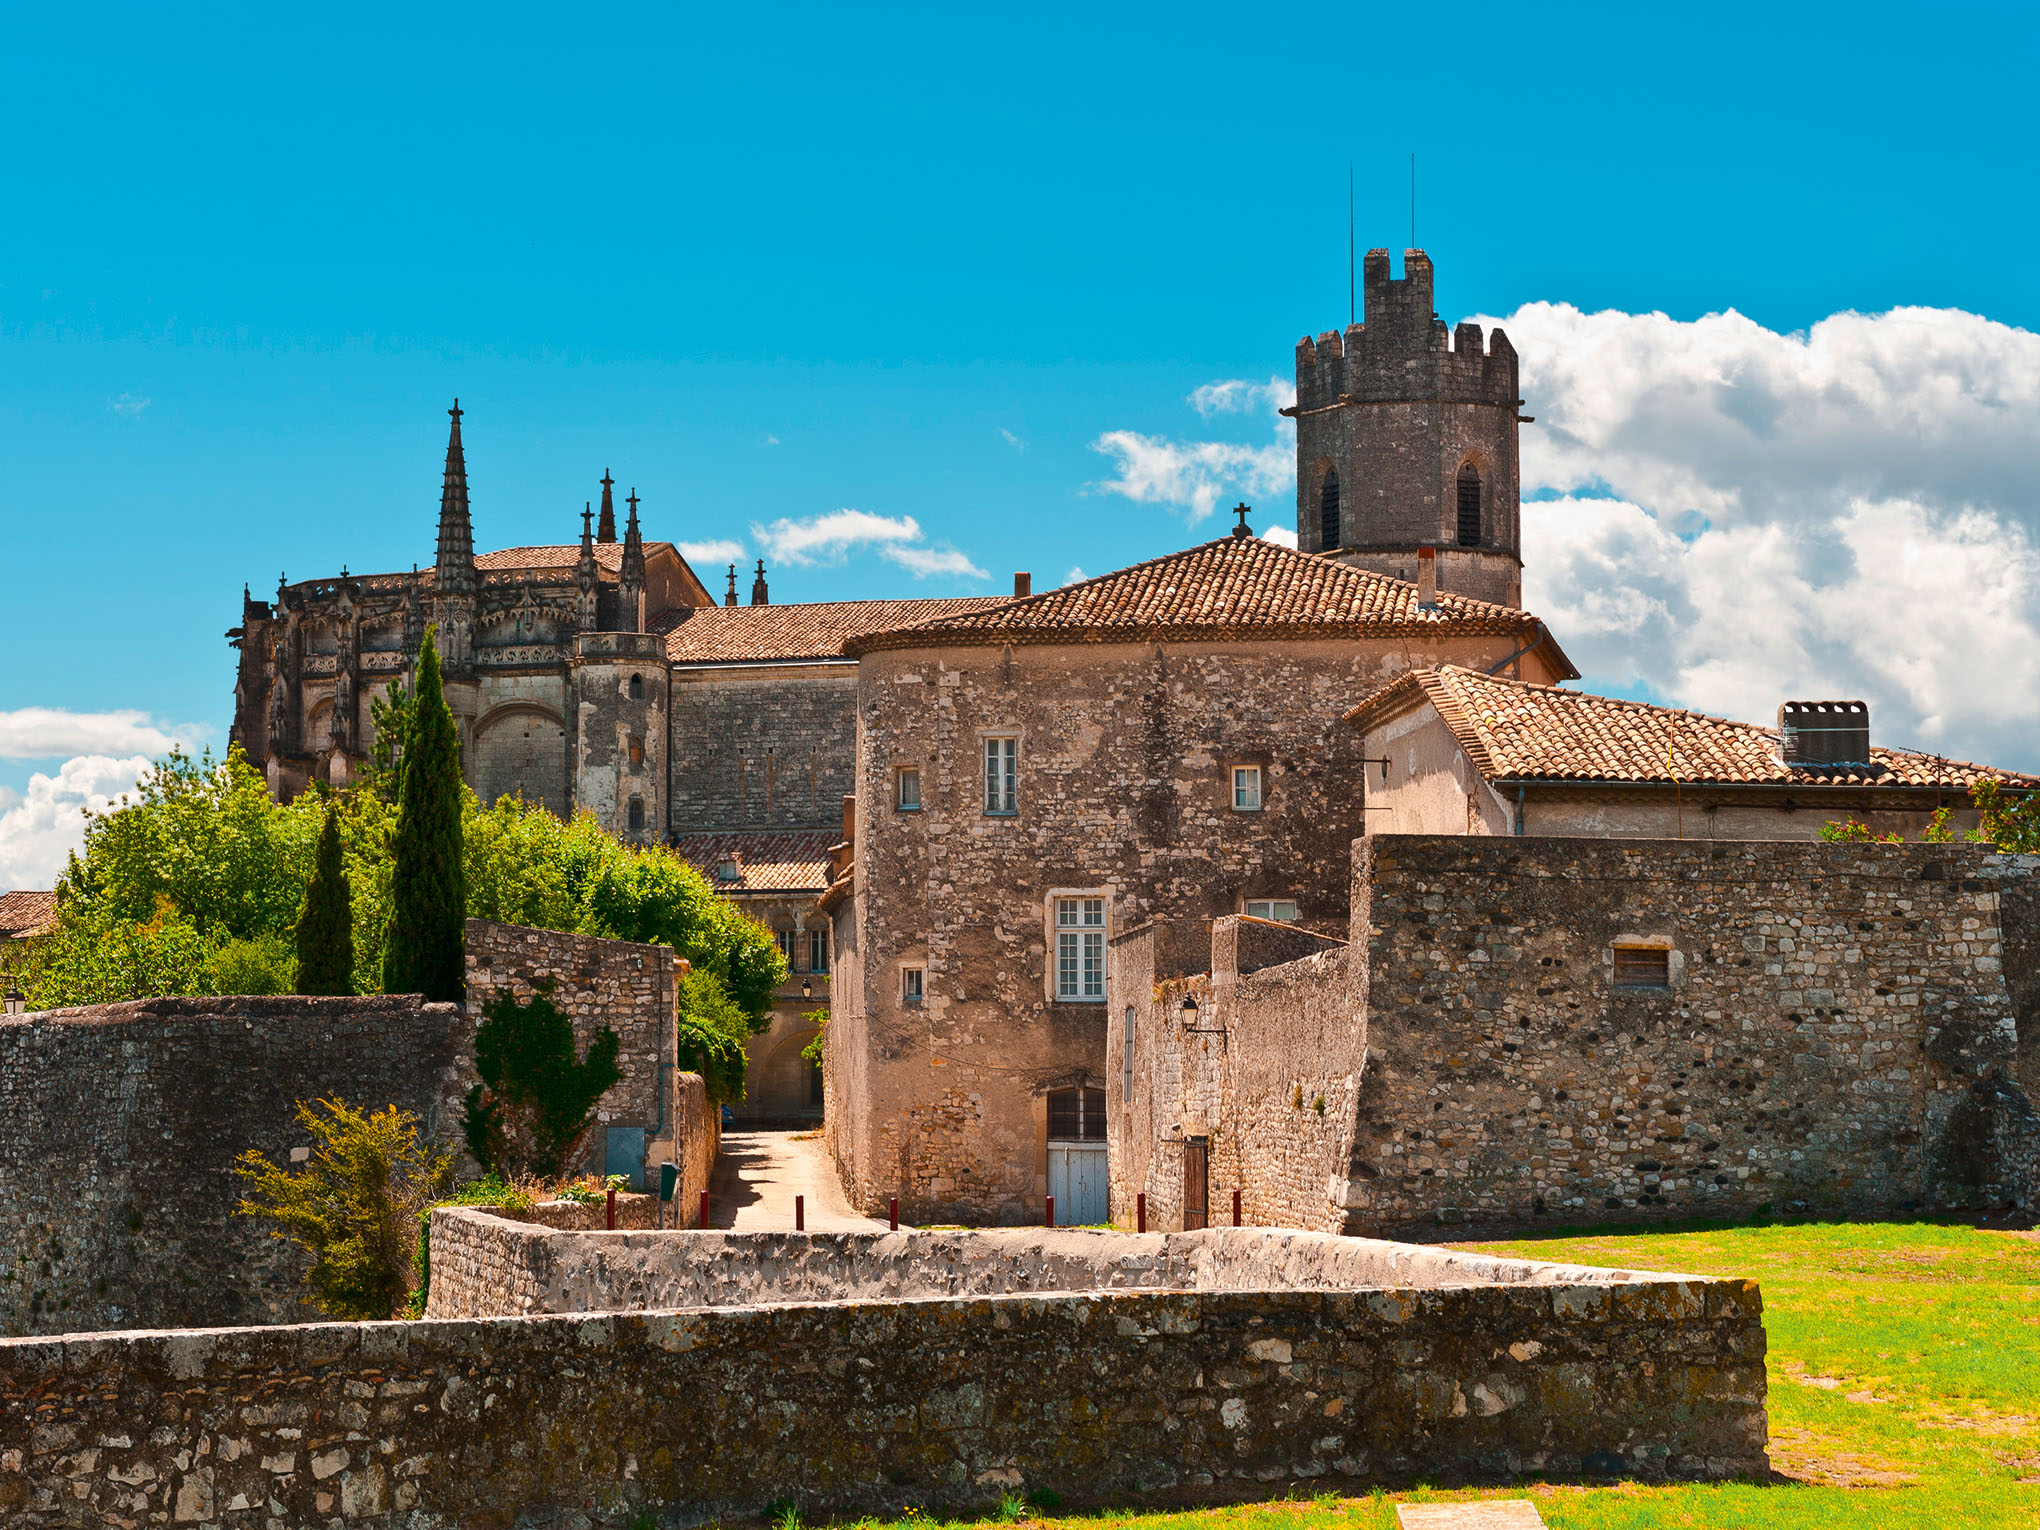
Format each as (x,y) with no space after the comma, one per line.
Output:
(1495,1514)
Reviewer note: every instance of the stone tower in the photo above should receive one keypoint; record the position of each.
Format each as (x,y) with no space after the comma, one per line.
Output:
(1406,439)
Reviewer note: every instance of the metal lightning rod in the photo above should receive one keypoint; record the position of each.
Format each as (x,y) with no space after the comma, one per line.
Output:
(1352,291)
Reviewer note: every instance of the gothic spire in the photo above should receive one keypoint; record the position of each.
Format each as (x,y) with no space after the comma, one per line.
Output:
(631,538)
(456,536)
(587,538)
(731,598)
(606,530)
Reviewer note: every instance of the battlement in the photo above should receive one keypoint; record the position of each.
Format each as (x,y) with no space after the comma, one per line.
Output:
(1372,361)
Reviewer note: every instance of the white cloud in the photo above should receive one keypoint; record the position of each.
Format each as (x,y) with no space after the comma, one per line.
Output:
(923,561)
(830,538)
(1193,476)
(1076,575)
(41,826)
(1012,440)
(1743,516)
(47,733)
(709,553)
(129,405)
(770,441)
(1285,535)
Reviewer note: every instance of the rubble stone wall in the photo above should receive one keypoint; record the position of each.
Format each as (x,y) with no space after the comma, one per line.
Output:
(866,1406)
(123,1121)
(628,987)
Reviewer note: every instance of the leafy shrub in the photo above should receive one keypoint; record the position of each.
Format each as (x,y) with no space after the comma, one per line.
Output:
(713,1029)
(533,1110)
(353,1206)
(260,964)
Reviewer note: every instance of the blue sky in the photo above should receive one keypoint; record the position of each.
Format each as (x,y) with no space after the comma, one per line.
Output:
(917,262)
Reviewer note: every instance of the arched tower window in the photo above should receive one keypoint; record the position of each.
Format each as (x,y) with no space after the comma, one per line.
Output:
(637,687)
(637,813)
(1469,506)
(1328,511)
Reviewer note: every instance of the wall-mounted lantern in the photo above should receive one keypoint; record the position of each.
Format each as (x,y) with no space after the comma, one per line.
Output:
(16,1000)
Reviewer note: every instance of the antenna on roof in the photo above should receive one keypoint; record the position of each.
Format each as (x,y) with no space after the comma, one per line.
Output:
(1413,199)
(1352,298)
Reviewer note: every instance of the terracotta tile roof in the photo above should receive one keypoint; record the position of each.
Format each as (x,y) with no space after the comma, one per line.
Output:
(23,914)
(608,556)
(771,860)
(740,634)
(1234,587)
(1514,731)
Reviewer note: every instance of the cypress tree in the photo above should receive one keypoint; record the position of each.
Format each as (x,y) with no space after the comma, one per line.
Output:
(427,947)
(325,927)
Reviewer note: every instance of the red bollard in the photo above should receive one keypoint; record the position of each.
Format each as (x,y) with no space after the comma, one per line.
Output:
(1140,1213)
(892,1212)
(1235,1208)
(612,1211)
(704,1211)
(1051,1211)
(800,1213)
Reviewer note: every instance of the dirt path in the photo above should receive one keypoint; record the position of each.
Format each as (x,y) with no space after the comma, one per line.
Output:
(757,1175)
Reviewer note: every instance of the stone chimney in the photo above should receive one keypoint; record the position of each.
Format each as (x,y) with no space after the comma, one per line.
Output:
(1023,586)
(1427,578)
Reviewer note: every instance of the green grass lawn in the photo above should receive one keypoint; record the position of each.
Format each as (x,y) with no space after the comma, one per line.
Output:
(1905,1389)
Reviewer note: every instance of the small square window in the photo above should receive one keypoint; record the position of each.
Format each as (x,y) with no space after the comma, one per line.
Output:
(908,798)
(1246,788)
(913,981)
(1280,909)
(1643,967)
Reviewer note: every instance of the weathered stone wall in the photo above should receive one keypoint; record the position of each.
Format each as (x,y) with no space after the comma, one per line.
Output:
(499,1266)
(1837,1034)
(117,1192)
(1125,792)
(2018,885)
(1265,1071)
(860,1407)
(628,987)
(764,746)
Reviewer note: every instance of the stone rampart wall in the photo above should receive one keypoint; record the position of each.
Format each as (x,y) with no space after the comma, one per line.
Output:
(122,1124)
(488,1265)
(863,1407)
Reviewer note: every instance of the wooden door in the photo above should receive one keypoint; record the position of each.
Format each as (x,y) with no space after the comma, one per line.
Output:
(1196,1183)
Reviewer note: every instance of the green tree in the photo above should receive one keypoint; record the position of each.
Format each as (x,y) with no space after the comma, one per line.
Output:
(712,1030)
(533,1110)
(426,948)
(354,1206)
(2011,823)
(325,925)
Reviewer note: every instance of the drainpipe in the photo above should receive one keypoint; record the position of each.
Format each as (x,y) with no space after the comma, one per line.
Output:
(1519,809)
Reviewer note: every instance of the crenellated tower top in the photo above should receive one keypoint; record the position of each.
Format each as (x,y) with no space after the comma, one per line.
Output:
(1406,439)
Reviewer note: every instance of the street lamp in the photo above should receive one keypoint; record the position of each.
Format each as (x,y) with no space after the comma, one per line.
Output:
(807,988)
(16,1000)
(1187,1013)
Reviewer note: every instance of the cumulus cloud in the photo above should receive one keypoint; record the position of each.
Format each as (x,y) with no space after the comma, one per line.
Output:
(48,733)
(1191,477)
(1076,575)
(829,539)
(708,553)
(41,826)
(1725,516)
(1285,535)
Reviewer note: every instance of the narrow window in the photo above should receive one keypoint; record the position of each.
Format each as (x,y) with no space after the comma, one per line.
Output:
(1246,788)
(912,984)
(1080,950)
(1328,510)
(1126,1087)
(1002,775)
(818,950)
(909,798)
(1469,506)
(637,687)
(1282,910)
(637,813)
(637,753)
(1643,967)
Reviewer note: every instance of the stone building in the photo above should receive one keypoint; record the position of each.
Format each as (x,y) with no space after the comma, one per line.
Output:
(1459,751)
(1406,441)
(1588,1030)
(1163,742)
